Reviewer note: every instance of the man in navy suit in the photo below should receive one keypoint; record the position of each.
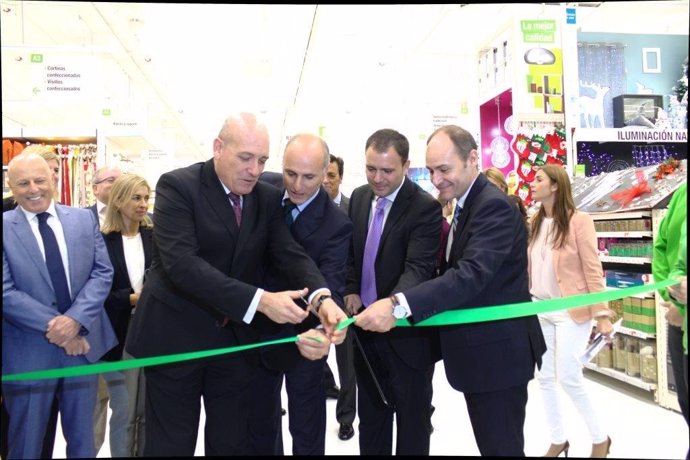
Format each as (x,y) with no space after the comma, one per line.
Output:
(52,317)
(324,232)
(491,362)
(346,406)
(215,227)
(403,361)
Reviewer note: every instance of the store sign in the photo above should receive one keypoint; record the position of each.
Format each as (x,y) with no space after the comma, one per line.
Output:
(538,31)
(570,17)
(62,75)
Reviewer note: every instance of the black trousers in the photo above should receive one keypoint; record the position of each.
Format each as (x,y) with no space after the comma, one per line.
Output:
(173,407)
(679,363)
(498,421)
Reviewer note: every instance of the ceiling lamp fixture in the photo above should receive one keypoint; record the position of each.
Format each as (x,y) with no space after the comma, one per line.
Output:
(499,144)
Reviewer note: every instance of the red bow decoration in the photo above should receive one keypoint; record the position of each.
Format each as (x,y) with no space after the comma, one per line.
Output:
(626,196)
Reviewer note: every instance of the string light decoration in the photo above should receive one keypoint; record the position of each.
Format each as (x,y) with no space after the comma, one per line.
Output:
(499,144)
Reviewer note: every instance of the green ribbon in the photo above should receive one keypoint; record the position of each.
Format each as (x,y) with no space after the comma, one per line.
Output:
(469,315)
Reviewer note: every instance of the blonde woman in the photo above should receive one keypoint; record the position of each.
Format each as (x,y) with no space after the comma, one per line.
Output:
(128,234)
(497,178)
(563,261)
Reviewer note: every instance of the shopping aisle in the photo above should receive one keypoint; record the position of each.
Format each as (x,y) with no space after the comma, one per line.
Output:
(639,428)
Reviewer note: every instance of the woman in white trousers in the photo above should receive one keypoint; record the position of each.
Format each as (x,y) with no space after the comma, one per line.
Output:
(563,261)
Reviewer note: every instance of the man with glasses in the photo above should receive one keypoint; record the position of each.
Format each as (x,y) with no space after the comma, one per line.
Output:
(103,180)
(102,183)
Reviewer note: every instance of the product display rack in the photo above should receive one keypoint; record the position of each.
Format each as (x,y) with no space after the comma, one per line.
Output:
(663,394)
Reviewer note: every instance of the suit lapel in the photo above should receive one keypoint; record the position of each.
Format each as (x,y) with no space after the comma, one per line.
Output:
(120,264)
(398,208)
(310,219)
(26,237)
(70,229)
(478,185)
(213,192)
(361,218)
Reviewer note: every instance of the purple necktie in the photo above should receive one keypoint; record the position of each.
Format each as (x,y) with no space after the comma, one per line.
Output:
(371,247)
(236,207)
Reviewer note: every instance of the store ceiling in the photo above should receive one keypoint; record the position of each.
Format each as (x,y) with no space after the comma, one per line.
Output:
(179,69)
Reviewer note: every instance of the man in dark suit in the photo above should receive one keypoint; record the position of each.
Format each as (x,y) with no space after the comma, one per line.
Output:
(403,360)
(346,406)
(56,276)
(101,184)
(324,231)
(492,362)
(215,227)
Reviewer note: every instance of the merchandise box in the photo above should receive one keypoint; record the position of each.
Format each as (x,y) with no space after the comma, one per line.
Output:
(625,279)
(636,110)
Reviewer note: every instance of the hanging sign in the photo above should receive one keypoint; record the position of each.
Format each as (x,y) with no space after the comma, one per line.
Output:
(63,75)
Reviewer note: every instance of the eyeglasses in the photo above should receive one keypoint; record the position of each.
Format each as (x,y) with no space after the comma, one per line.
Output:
(109,180)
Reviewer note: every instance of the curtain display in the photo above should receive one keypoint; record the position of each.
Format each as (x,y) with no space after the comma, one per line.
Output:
(77,166)
(601,70)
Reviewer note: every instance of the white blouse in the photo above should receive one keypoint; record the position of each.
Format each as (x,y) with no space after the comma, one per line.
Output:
(135,260)
(542,272)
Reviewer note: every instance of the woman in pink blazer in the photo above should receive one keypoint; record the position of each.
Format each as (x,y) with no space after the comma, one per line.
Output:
(563,261)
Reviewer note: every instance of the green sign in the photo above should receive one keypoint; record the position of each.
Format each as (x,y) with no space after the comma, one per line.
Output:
(579,170)
(105,112)
(37,58)
(538,31)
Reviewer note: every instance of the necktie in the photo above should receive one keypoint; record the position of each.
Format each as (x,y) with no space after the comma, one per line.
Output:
(54,263)
(236,207)
(371,247)
(456,216)
(288,206)
(451,234)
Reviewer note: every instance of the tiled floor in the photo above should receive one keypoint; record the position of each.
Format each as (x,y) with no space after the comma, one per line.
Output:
(638,427)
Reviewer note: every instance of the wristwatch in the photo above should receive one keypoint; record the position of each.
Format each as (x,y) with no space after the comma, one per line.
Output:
(399,312)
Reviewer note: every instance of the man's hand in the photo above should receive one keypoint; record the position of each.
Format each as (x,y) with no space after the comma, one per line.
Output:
(673,315)
(330,315)
(77,346)
(281,308)
(313,344)
(353,302)
(61,329)
(377,317)
(680,291)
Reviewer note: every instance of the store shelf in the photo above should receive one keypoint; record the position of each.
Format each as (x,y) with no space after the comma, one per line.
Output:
(626,260)
(621,215)
(636,333)
(643,295)
(640,234)
(622,376)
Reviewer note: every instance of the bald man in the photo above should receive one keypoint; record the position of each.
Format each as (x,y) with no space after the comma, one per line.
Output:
(215,227)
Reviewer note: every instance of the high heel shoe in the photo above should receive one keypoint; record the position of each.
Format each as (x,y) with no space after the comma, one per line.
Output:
(556,449)
(601,449)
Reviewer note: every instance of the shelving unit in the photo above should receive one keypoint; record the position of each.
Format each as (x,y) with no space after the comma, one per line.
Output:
(623,377)
(633,225)
(549,88)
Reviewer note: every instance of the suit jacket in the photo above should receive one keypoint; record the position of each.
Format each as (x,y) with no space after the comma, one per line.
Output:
(406,257)
(94,210)
(28,299)
(488,266)
(324,231)
(344,203)
(205,268)
(117,304)
(577,265)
